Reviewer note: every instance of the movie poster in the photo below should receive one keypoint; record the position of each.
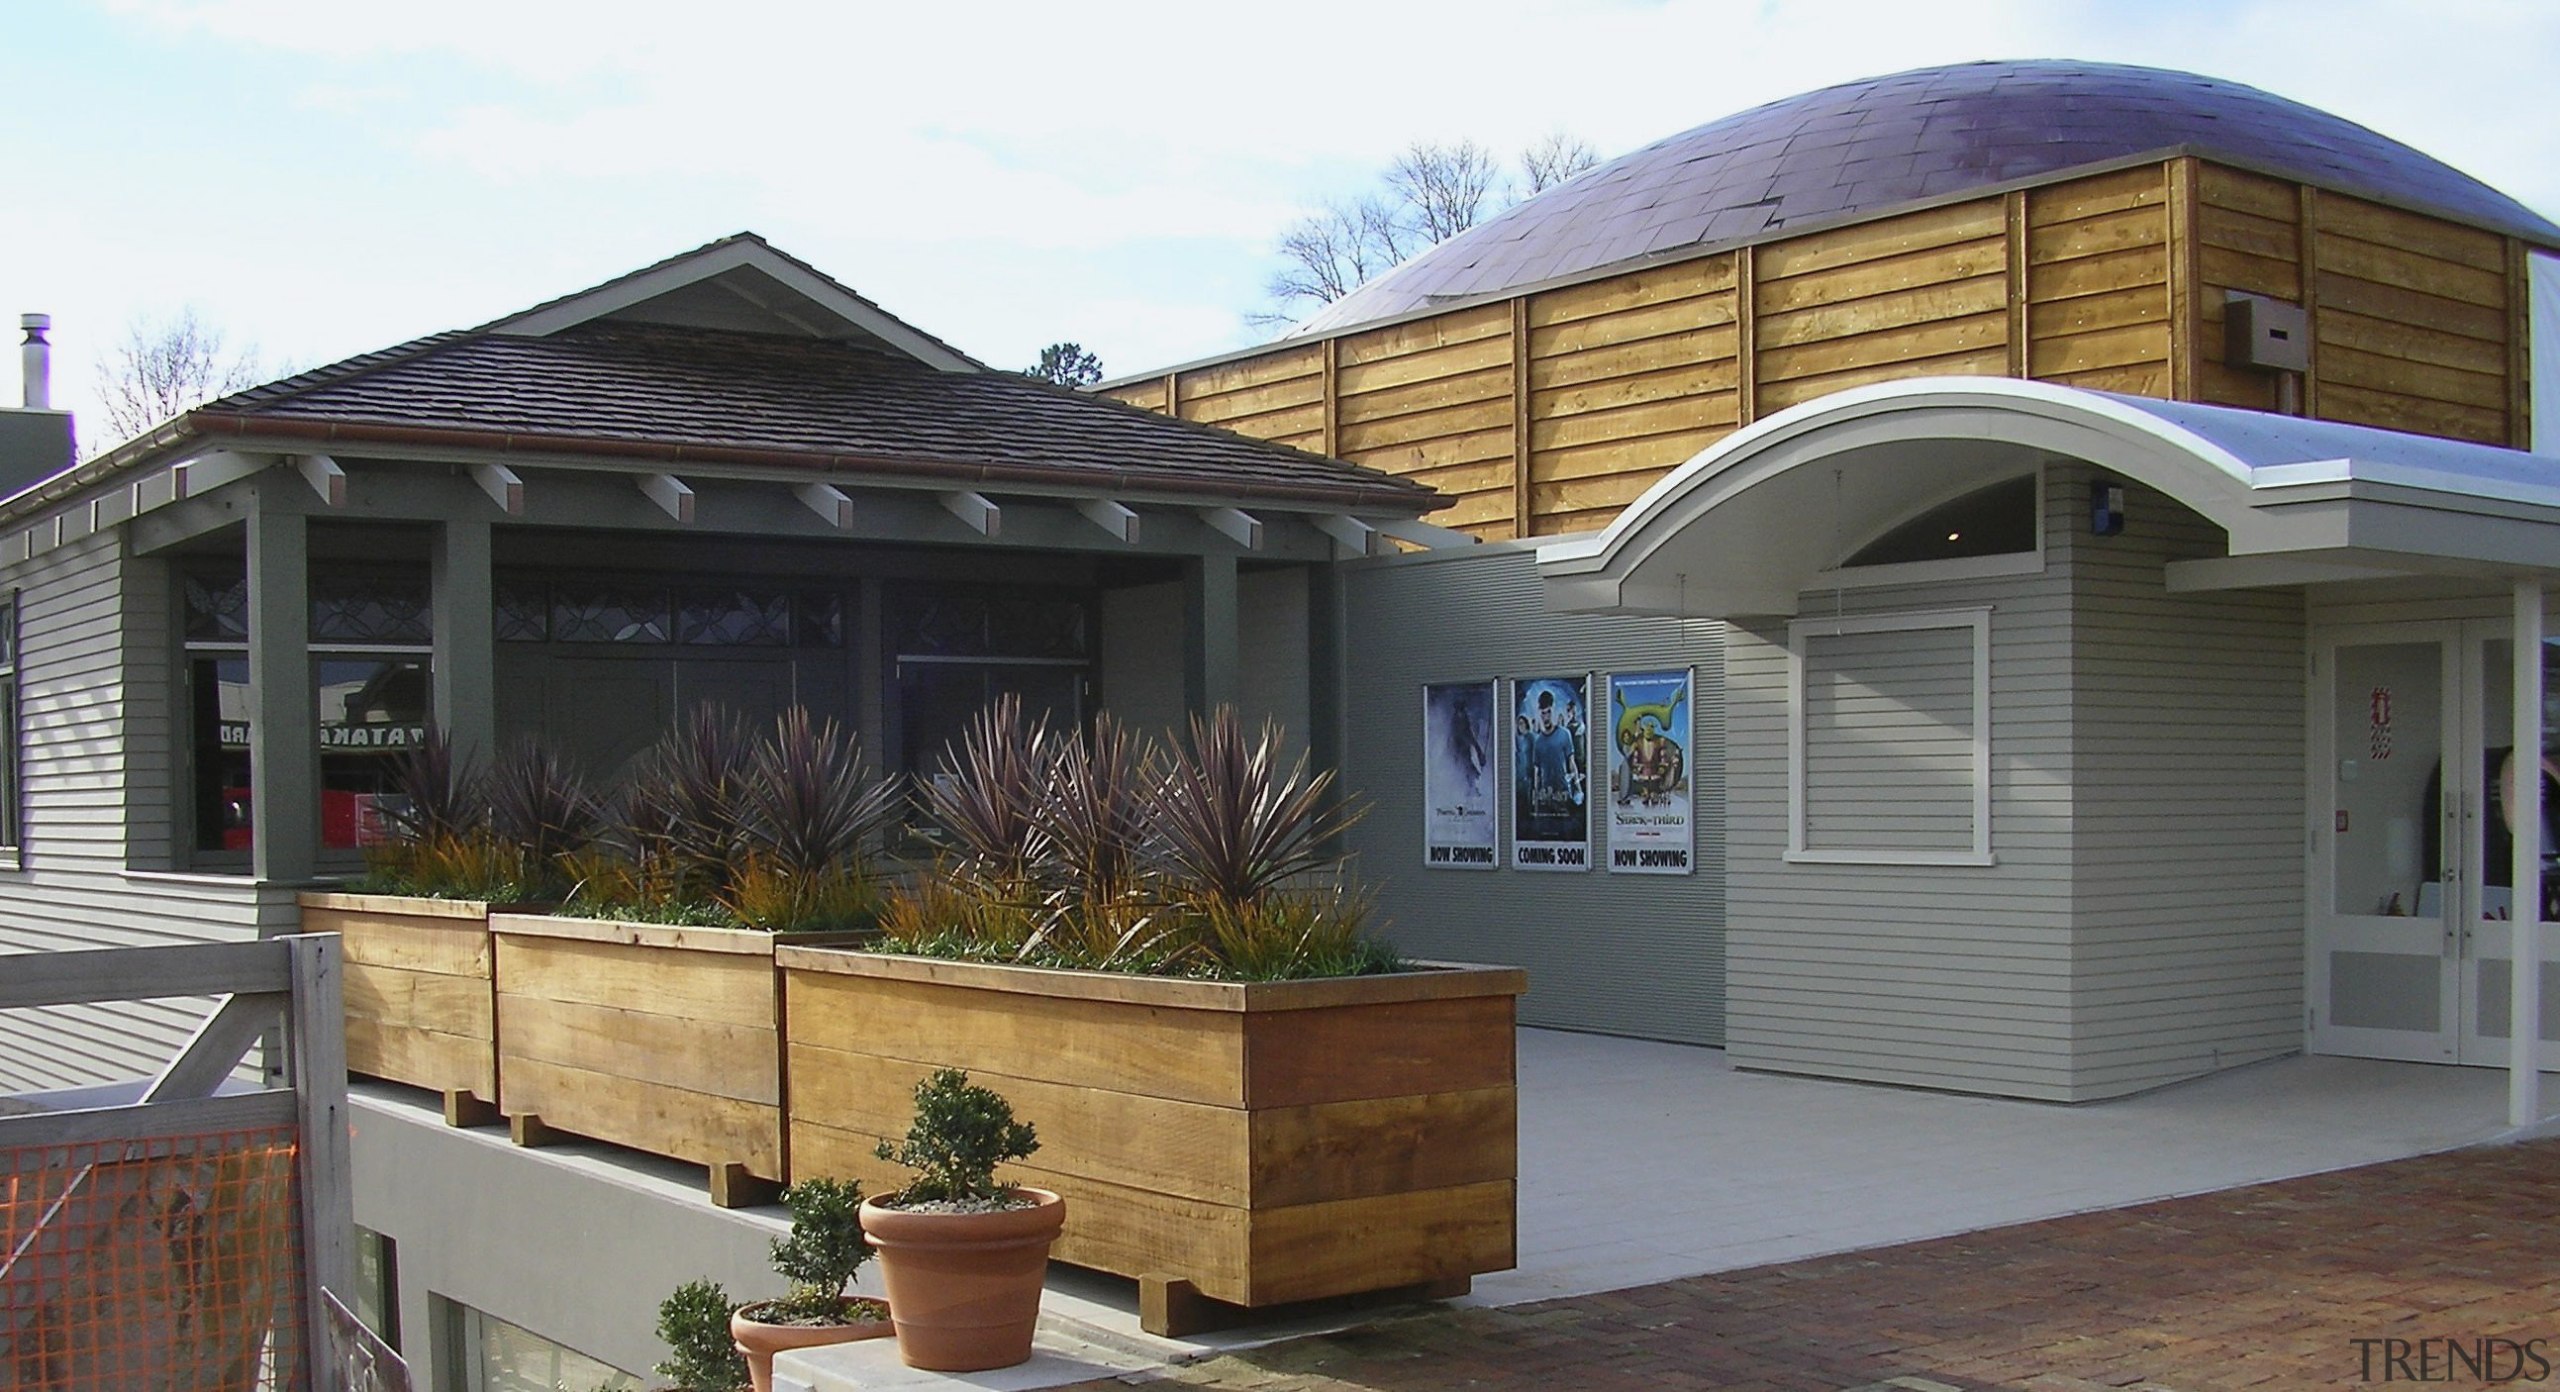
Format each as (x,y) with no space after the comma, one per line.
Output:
(1650,736)
(1457,776)
(1550,778)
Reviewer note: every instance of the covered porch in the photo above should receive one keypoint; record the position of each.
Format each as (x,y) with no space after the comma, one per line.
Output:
(2049,774)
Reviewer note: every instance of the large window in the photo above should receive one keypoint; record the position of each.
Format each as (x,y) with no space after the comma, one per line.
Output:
(1890,757)
(372,636)
(958,648)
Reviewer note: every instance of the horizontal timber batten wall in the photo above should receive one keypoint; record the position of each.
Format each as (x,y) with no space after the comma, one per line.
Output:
(1547,412)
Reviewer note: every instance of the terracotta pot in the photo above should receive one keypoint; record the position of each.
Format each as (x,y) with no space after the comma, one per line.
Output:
(760,1341)
(964,1288)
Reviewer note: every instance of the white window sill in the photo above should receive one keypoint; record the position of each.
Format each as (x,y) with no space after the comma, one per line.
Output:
(1972,859)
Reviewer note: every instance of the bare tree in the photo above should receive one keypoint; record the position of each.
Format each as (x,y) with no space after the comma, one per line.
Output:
(1331,253)
(1444,187)
(1554,158)
(1067,365)
(1432,193)
(164,367)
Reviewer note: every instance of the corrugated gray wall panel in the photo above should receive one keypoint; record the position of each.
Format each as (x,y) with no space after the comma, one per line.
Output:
(1621,954)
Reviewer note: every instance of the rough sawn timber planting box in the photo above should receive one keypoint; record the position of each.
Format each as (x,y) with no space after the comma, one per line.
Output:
(662,1038)
(420,1004)
(1237,1144)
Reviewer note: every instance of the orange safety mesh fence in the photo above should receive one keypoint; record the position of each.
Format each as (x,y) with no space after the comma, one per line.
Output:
(166,1264)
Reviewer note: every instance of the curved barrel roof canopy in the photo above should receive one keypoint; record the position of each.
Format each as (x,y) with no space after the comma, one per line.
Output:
(1863,148)
(1750,523)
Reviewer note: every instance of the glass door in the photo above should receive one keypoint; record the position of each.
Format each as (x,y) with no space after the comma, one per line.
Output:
(2386,891)
(2495,796)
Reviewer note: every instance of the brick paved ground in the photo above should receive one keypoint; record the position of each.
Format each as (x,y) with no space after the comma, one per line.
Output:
(2264,1287)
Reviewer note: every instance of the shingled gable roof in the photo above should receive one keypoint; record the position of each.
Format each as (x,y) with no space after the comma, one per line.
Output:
(599,374)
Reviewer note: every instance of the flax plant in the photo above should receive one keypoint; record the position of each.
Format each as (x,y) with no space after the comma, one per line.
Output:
(986,797)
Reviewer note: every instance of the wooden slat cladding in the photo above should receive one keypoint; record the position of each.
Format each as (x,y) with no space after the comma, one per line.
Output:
(1924,294)
(2412,325)
(1279,396)
(1627,377)
(1431,400)
(2249,239)
(2098,299)
(2114,282)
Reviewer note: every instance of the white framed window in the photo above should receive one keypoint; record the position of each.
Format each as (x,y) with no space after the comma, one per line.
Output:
(1987,531)
(1889,739)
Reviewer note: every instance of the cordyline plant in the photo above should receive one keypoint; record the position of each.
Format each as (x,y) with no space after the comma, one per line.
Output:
(440,790)
(540,813)
(1104,852)
(1234,825)
(441,844)
(961,1132)
(682,819)
(987,797)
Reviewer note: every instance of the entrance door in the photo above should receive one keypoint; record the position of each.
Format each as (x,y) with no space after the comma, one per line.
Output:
(2412,876)
(2385,892)
(2486,940)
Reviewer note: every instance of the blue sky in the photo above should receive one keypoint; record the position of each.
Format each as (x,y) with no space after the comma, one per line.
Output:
(325,177)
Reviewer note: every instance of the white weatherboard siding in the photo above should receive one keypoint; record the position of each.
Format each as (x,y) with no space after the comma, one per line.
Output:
(2142,922)
(1927,975)
(2187,758)
(90,752)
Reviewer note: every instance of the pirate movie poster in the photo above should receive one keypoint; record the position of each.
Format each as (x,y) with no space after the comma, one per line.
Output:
(1649,739)
(1457,776)
(1550,784)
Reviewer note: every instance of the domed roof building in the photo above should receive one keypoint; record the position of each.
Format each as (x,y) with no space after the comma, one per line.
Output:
(2091,509)
(2070,222)
(1865,148)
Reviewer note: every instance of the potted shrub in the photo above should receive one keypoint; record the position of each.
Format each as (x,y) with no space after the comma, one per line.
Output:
(963,1256)
(819,1259)
(1249,1100)
(645,1011)
(420,1000)
(702,1355)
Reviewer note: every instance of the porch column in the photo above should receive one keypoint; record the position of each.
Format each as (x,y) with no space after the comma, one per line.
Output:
(1209,653)
(284,742)
(2524,926)
(466,639)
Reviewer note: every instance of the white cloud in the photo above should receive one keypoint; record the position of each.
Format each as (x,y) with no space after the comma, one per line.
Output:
(1005,173)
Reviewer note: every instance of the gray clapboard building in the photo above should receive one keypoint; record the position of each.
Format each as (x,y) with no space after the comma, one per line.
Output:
(2101,535)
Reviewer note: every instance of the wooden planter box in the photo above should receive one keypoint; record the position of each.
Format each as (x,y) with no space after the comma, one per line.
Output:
(1224,1144)
(664,1039)
(419,1000)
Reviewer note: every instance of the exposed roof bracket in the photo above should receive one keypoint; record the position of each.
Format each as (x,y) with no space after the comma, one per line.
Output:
(1110,517)
(1349,533)
(1424,534)
(195,477)
(325,478)
(828,501)
(983,517)
(670,494)
(502,486)
(1243,528)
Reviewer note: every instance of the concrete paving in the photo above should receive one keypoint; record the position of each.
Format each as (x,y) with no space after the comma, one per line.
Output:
(1643,1163)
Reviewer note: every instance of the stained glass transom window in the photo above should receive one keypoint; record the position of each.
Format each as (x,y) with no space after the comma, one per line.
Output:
(370,609)
(217,608)
(608,613)
(524,611)
(989,623)
(734,618)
